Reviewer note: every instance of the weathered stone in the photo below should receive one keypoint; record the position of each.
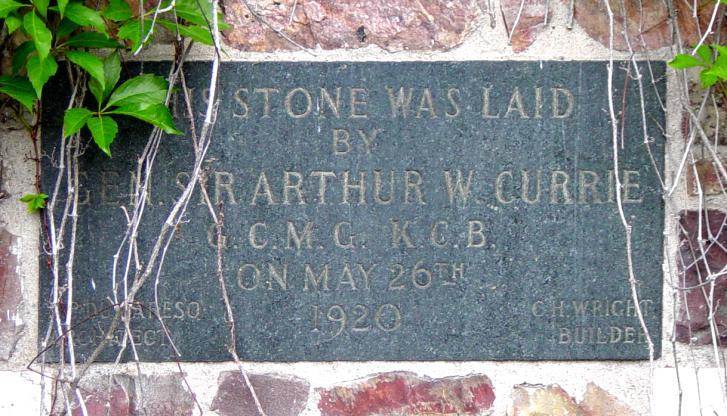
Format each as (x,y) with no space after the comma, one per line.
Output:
(712,119)
(710,179)
(598,402)
(537,400)
(525,20)
(162,395)
(278,395)
(11,296)
(647,22)
(328,272)
(393,25)
(405,393)
(123,395)
(107,398)
(692,323)
(552,400)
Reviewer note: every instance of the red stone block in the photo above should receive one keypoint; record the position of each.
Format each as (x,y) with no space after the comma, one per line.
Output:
(155,395)
(525,20)
(695,264)
(404,393)
(106,402)
(393,25)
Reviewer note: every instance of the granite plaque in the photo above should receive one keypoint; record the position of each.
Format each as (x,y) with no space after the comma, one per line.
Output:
(387,211)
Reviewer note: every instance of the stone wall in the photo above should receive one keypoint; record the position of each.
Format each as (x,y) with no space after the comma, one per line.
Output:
(397,30)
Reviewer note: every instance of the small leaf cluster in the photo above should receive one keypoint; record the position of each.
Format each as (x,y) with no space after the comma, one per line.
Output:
(92,38)
(141,97)
(34,201)
(712,59)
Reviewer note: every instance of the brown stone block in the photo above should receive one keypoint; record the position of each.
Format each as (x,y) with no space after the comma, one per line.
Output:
(552,400)
(710,179)
(647,22)
(405,393)
(278,395)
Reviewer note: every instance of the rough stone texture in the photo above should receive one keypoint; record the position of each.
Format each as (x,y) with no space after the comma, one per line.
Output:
(393,25)
(154,395)
(593,17)
(405,393)
(530,23)
(163,395)
(712,113)
(435,314)
(103,399)
(598,402)
(552,400)
(710,179)
(692,322)
(278,395)
(11,296)
(535,400)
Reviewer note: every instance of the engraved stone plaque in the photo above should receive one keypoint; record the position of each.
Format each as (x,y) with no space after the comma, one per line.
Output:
(384,211)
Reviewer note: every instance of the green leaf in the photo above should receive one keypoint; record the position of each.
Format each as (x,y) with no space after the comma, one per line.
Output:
(190,11)
(34,201)
(21,55)
(196,33)
(143,89)
(103,129)
(65,28)
(117,11)
(41,6)
(682,61)
(705,53)
(36,29)
(90,63)
(74,119)
(719,67)
(62,7)
(708,79)
(716,71)
(9,6)
(97,90)
(40,72)
(112,72)
(13,22)
(83,16)
(19,89)
(91,40)
(156,114)
(131,31)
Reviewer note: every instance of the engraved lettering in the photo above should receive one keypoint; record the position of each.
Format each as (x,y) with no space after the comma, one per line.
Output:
(557,111)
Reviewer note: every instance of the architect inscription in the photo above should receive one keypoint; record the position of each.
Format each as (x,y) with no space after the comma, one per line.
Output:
(386,211)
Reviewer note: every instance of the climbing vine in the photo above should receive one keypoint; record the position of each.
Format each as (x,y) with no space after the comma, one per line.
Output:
(40,34)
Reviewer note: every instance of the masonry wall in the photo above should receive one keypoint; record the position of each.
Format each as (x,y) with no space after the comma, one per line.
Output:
(386,30)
